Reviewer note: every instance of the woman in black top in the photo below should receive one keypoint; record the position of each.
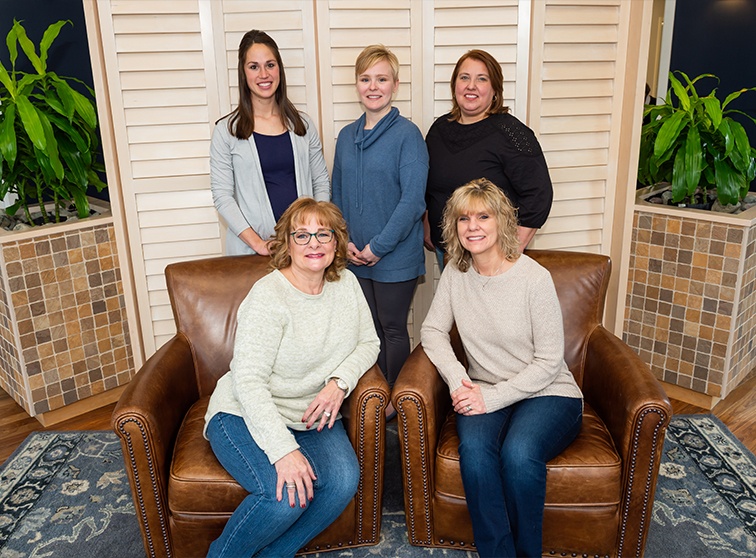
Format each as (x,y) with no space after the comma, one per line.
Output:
(480,139)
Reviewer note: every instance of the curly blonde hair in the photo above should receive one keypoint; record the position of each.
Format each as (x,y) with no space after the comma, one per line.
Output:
(479,195)
(327,215)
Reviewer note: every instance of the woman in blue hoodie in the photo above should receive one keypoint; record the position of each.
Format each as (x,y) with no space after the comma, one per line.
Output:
(379,176)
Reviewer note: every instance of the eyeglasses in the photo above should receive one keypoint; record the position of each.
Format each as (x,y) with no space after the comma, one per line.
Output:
(324,236)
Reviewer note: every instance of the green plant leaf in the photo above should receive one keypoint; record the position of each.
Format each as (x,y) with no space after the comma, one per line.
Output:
(10,42)
(729,138)
(680,91)
(729,182)
(7,81)
(693,157)
(64,92)
(669,132)
(742,152)
(28,47)
(679,191)
(51,33)
(30,118)
(8,146)
(82,204)
(713,110)
(52,147)
(84,108)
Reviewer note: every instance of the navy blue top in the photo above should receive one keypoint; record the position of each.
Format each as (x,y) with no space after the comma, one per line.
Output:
(277,162)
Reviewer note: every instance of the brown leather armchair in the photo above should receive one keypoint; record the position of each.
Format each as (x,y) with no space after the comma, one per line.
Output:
(600,490)
(183,496)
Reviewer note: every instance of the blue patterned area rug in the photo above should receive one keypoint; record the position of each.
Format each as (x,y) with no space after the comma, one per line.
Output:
(66,495)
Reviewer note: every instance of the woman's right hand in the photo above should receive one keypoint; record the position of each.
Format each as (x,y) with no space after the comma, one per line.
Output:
(353,254)
(254,241)
(293,468)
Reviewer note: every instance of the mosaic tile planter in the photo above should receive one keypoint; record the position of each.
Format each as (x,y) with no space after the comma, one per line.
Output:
(691,298)
(64,333)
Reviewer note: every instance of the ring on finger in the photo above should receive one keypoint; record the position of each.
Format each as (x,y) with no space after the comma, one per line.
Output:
(291,486)
(468,408)
(327,414)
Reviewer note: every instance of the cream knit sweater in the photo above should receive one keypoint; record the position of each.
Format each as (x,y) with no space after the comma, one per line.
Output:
(511,329)
(288,346)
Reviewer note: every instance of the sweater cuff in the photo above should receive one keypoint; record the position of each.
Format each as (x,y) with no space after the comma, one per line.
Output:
(281,450)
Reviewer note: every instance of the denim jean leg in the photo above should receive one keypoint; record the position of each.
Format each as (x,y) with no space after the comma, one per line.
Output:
(480,440)
(247,463)
(539,429)
(338,474)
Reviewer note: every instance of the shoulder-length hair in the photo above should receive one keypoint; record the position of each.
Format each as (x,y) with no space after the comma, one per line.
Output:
(242,121)
(495,75)
(328,216)
(480,195)
(373,54)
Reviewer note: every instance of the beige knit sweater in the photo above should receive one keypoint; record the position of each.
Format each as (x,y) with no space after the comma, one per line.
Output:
(511,329)
(288,346)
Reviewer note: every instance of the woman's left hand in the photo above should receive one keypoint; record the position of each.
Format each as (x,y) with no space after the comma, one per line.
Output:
(468,399)
(368,257)
(325,406)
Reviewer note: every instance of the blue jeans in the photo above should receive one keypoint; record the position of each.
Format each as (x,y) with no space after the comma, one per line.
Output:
(263,526)
(503,457)
(440,258)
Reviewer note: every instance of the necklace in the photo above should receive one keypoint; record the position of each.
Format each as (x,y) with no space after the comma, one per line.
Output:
(489,277)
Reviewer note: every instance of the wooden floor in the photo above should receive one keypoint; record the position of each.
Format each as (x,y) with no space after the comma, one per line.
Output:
(737,411)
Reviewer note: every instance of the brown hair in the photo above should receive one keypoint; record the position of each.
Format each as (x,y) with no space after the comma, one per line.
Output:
(480,194)
(328,215)
(495,75)
(242,121)
(373,54)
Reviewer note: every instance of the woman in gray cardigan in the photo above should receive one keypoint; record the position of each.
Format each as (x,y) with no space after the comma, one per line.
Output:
(265,154)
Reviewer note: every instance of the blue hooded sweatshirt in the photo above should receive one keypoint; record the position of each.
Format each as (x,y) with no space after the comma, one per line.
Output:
(379,178)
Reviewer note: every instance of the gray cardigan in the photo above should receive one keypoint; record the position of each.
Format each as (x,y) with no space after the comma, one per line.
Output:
(238,187)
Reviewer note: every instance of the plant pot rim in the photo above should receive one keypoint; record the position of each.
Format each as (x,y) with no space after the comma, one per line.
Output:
(104,217)
(747,217)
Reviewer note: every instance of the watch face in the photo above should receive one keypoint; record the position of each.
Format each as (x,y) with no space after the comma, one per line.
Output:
(342,384)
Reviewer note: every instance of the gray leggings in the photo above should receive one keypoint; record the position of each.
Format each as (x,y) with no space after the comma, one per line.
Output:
(390,303)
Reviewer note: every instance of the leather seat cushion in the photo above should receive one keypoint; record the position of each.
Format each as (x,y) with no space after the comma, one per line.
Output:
(588,472)
(198,483)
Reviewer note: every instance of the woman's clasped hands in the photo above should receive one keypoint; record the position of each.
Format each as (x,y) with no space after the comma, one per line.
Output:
(361,257)
(468,399)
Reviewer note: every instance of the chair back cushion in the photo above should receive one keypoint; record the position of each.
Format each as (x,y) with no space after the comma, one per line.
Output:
(205,296)
(581,280)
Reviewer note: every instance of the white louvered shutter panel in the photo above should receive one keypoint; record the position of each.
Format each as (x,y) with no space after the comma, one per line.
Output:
(576,48)
(171,70)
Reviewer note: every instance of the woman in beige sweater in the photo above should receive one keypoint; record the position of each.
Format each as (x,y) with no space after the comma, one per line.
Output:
(305,336)
(517,404)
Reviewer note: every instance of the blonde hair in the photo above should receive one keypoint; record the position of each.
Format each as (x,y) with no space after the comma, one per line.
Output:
(325,213)
(494,74)
(373,54)
(477,195)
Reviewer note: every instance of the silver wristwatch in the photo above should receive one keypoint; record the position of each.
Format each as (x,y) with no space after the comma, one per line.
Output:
(341,384)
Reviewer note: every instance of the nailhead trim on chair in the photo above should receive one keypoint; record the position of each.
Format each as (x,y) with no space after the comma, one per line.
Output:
(360,493)
(631,480)
(137,481)
(410,489)
(376,508)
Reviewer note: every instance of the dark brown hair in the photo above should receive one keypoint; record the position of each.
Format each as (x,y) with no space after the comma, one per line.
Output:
(242,121)
(495,75)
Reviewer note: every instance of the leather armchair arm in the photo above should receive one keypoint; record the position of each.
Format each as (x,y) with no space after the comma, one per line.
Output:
(634,407)
(147,419)
(421,398)
(363,413)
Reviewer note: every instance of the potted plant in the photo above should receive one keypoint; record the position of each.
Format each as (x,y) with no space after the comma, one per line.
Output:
(692,143)
(48,133)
